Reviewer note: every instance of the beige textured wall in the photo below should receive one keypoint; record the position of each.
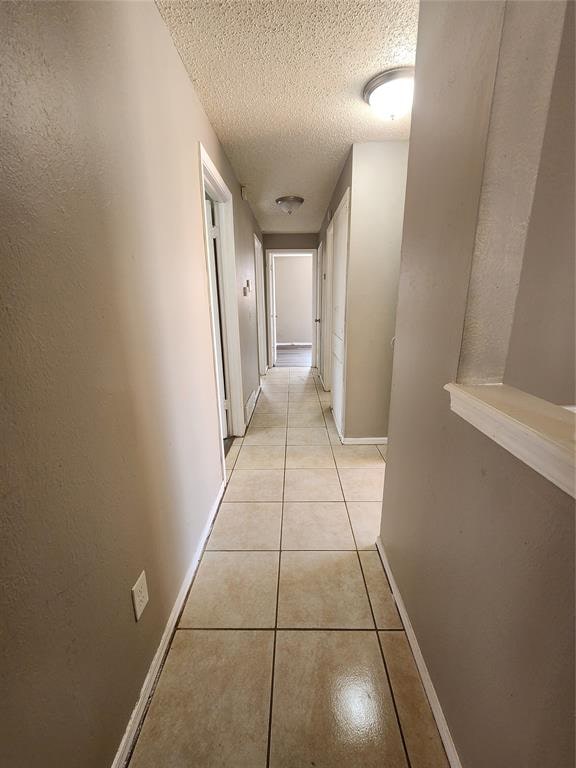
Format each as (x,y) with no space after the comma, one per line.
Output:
(376,216)
(481,546)
(294,240)
(344,181)
(293,288)
(526,67)
(542,343)
(110,444)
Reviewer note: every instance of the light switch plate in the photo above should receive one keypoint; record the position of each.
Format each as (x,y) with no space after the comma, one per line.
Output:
(140,595)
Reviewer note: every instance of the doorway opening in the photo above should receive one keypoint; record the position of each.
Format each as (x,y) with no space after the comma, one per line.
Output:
(221,274)
(292,292)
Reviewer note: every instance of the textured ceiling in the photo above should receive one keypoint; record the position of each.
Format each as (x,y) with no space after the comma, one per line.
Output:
(281,82)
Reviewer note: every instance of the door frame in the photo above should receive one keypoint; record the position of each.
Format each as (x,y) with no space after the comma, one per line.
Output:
(271,317)
(260,306)
(326,309)
(344,203)
(213,185)
(316,306)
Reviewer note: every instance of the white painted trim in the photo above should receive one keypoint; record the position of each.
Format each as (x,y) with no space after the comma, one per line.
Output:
(270,255)
(139,711)
(537,432)
(317,306)
(364,440)
(344,205)
(324,387)
(251,404)
(271,315)
(433,700)
(214,184)
(294,344)
(326,315)
(260,306)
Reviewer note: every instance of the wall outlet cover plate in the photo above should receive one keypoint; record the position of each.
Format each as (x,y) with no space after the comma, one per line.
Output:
(140,595)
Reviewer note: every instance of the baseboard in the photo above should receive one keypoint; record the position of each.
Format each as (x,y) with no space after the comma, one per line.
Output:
(441,723)
(364,440)
(358,440)
(139,711)
(251,404)
(324,387)
(284,344)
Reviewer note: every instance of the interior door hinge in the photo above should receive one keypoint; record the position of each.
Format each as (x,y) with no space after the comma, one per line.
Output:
(226,405)
(214,232)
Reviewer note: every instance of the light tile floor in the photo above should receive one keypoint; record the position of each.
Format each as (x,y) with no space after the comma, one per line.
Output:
(290,651)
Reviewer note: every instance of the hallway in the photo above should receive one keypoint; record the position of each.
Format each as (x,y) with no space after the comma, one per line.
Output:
(291,610)
(293,357)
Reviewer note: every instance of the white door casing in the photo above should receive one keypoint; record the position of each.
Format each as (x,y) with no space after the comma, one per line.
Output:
(317,314)
(271,309)
(214,186)
(326,314)
(215,285)
(339,286)
(260,306)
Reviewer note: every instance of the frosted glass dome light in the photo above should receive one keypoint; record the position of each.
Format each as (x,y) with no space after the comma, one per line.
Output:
(390,93)
(289,203)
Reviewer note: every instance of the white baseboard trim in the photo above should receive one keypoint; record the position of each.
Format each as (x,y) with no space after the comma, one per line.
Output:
(251,404)
(364,440)
(294,344)
(147,690)
(441,723)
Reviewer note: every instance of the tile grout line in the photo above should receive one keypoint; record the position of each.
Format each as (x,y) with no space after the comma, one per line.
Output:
(269,745)
(386,672)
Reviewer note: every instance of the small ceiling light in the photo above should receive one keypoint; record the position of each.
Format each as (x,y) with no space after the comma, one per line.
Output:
(289,203)
(391,92)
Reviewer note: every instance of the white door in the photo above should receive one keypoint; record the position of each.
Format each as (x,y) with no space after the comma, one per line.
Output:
(326,315)
(216,310)
(339,277)
(260,305)
(271,311)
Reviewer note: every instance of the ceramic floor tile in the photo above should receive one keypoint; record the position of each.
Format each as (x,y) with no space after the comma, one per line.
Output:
(307,436)
(309,398)
(365,517)
(312,485)
(268,420)
(309,457)
(233,589)
(332,706)
(247,525)
(232,455)
(383,604)
(228,475)
(265,436)
(348,456)
(305,420)
(261,457)
(304,408)
(362,484)
(322,590)
(273,409)
(211,705)
(255,485)
(420,733)
(316,525)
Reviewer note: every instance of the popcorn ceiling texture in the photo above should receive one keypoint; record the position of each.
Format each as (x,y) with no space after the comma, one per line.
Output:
(282,84)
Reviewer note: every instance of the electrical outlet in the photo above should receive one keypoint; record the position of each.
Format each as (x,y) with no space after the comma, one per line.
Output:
(140,595)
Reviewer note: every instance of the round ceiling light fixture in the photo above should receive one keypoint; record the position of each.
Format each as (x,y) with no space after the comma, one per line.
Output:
(391,92)
(289,203)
